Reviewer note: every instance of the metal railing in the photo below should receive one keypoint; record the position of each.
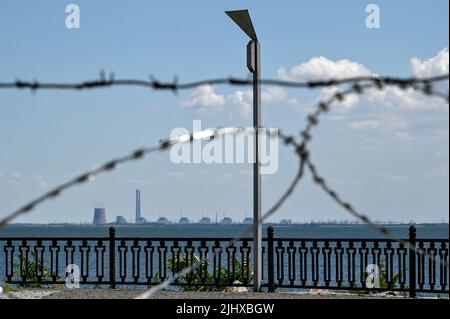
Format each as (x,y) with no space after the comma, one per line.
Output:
(288,263)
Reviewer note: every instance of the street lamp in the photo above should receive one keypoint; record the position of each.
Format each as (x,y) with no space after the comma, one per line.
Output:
(242,19)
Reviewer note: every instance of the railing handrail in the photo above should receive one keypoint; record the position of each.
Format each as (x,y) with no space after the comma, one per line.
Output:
(282,253)
(306,239)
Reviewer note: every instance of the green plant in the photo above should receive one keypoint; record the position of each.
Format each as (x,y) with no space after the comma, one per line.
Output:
(384,283)
(7,288)
(30,268)
(198,280)
(383,280)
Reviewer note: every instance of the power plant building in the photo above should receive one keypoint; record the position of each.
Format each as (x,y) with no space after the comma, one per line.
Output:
(205,221)
(120,220)
(183,221)
(99,216)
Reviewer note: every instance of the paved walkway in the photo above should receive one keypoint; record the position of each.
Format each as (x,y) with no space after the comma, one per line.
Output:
(129,294)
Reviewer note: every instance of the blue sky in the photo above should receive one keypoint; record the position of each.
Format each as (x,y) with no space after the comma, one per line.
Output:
(385,152)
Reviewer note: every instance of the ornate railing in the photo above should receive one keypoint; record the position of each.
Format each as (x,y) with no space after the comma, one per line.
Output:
(288,263)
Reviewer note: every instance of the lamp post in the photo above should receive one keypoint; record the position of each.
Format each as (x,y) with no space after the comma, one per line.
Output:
(242,19)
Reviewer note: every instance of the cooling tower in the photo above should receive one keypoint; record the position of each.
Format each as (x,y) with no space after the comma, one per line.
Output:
(99,216)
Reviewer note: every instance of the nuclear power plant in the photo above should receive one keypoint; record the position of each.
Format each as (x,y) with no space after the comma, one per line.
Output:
(99,216)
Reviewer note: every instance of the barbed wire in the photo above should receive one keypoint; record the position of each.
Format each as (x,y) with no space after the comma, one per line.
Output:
(304,157)
(424,85)
(175,86)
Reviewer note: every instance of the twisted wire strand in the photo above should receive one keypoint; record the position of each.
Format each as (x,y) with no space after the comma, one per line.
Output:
(174,86)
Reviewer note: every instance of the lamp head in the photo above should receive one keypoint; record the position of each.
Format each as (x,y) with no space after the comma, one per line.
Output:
(242,19)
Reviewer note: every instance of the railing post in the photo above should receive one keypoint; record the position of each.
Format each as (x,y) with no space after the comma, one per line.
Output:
(412,262)
(112,257)
(270,259)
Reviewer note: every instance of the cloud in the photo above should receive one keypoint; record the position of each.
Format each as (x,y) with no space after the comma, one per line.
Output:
(205,96)
(322,68)
(394,97)
(206,100)
(318,68)
(380,123)
(436,65)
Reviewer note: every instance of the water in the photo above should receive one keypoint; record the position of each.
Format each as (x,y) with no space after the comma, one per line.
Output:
(288,231)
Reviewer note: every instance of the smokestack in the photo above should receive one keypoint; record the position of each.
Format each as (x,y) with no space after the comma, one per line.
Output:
(138,206)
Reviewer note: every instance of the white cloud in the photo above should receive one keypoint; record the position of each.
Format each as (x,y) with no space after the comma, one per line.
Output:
(380,123)
(409,99)
(205,96)
(323,68)
(274,94)
(207,101)
(434,66)
(390,125)
(347,104)
(237,104)
(394,97)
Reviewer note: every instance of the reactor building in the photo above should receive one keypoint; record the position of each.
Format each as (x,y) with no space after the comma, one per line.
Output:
(99,216)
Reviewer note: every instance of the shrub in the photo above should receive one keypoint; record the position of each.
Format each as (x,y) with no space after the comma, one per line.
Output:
(199,281)
(31,266)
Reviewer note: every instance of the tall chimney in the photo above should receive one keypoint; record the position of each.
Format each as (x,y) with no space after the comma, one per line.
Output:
(138,206)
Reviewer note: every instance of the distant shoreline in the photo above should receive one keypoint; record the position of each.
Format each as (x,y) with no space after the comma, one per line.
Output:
(218,224)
